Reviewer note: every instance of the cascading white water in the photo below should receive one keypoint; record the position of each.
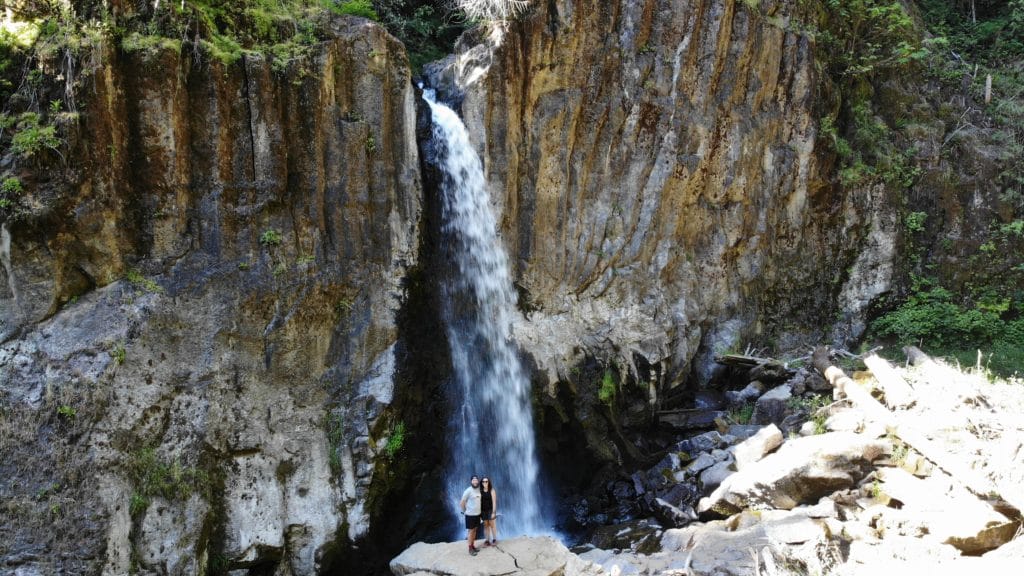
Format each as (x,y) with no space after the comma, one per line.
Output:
(492,424)
(5,260)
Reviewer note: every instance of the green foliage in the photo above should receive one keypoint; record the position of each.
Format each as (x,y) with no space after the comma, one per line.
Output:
(224,49)
(742,415)
(862,41)
(149,43)
(875,490)
(137,504)
(68,412)
(395,441)
(428,29)
(139,281)
(153,476)
(10,191)
(974,50)
(270,237)
(814,406)
(900,451)
(11,186)
(362,8)
(932,317)
(607,391)
(118,353)
(863,37)
(334,426)
(32,136)
(1015,228)
(915,221)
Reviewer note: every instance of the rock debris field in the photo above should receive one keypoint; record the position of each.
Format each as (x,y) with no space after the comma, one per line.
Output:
(915,467)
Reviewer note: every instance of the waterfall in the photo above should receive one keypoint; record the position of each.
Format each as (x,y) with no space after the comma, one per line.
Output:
(491,428)
(5,260)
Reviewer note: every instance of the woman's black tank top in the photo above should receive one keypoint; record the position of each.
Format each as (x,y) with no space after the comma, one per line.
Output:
(486,503)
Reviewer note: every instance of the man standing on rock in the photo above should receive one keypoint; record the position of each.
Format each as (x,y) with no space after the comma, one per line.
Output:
(470,505)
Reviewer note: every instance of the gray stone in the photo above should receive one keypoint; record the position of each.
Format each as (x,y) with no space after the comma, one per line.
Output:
(757,446)
(825,508)
(771,406)
(640,484)
(681,495)
(953,517)
(771,371)
(705,442)
(702,462)
(711,478)
(537,556)
(817,383)
(802,471)
(684,420)
(795,529)
(672,516)
(748,394)
(743,431)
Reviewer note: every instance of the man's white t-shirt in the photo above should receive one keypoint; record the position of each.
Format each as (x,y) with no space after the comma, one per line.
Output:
(472,499)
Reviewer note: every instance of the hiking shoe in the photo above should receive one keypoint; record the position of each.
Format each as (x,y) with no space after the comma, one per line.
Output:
(487,543)
(473,551)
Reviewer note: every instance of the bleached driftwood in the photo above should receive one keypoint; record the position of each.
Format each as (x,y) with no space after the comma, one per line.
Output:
(898,394)
(952,465)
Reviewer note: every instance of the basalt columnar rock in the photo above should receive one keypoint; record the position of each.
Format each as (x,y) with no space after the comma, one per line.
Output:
(200,312)
(657,170)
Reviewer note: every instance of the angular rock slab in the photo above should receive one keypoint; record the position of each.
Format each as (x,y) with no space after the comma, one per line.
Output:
(801,471)
(956,518)
(754,448)
(727,547)
(537,556)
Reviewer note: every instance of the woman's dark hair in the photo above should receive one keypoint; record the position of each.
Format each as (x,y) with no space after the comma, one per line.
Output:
(490,485)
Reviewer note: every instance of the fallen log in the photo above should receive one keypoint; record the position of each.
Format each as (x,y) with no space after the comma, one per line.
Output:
(740,360)
(694,419)
(833,374)
(976,483)
(764,369)
(898,394)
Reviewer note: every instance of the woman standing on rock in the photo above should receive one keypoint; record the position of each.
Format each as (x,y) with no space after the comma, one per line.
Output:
(489,511)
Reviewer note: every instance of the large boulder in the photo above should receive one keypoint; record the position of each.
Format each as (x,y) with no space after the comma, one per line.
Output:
(945,512)
(737,546)
(802,471)
(538,556)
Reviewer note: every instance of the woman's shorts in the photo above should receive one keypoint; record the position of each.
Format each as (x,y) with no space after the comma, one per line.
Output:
(472,522)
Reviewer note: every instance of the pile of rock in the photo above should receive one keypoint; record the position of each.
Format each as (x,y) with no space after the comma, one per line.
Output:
(839,494)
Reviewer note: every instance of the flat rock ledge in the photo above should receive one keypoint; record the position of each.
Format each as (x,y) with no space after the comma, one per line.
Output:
(528,556)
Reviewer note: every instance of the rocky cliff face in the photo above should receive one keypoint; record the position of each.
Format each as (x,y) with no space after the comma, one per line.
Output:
(660,183)
(200,312)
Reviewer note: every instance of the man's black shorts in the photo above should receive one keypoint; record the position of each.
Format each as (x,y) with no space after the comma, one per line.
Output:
(472,522)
